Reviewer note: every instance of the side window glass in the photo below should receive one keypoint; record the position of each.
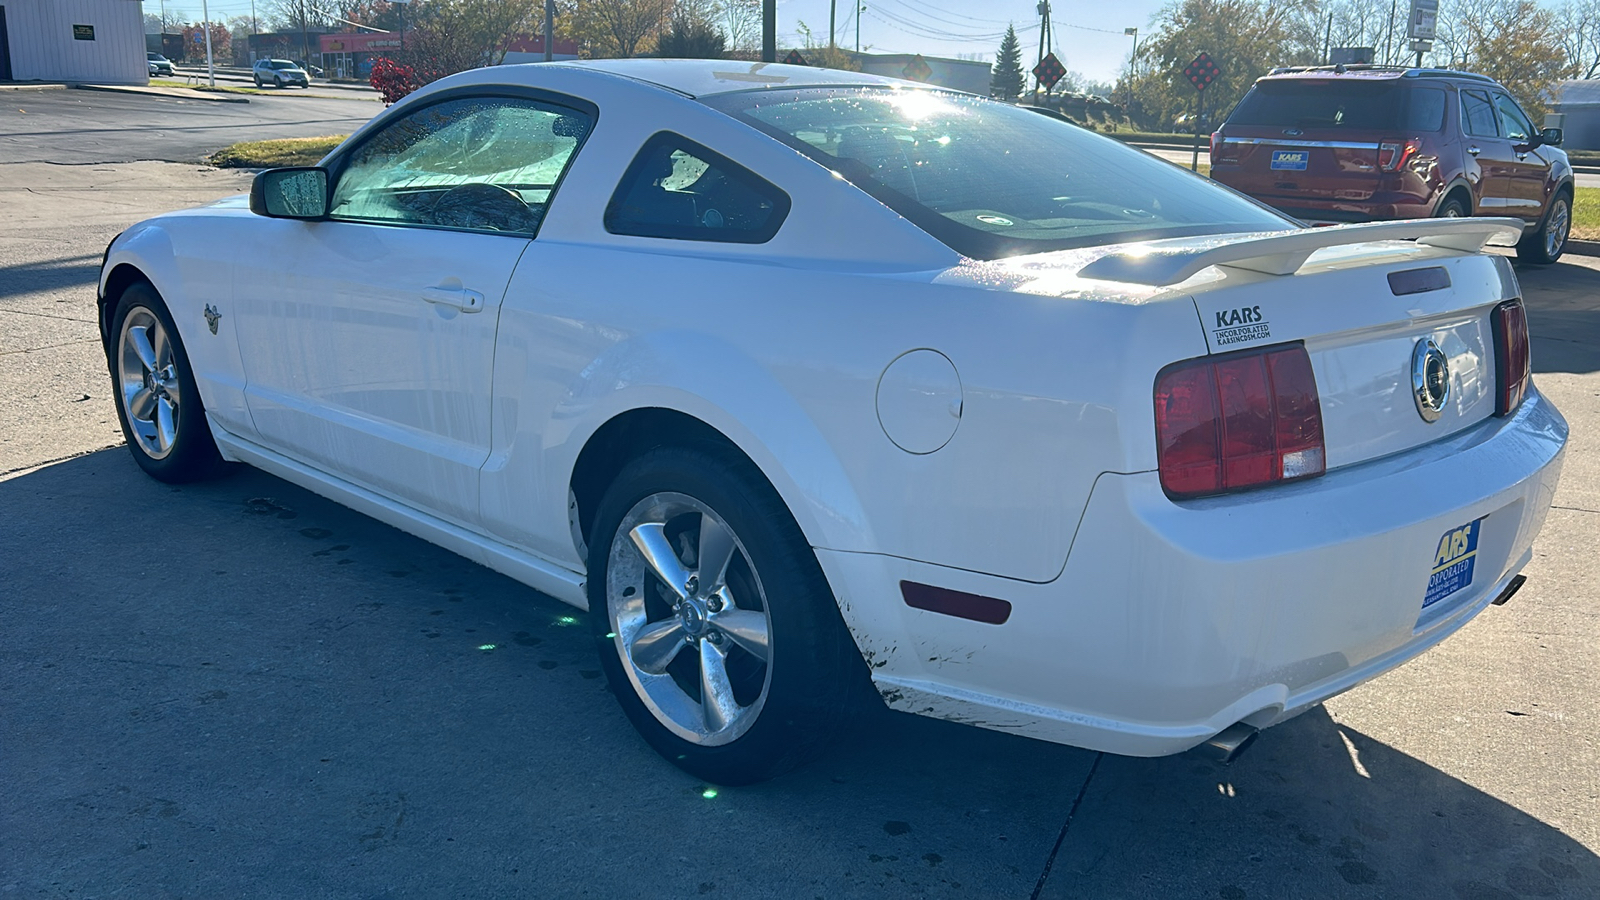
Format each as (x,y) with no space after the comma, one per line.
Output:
(478,163)
(1513,124)
(678,189)
(1426,110)
(1476,113)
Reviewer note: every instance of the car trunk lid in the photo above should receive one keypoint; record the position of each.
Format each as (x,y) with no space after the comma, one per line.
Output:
(1362,302)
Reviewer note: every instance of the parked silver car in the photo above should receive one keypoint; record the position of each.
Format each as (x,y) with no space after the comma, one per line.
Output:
(279,73)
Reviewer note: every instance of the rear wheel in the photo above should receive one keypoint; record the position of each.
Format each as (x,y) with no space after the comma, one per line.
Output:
(157,402)
(1549,241)
(1452,209)
(716,629)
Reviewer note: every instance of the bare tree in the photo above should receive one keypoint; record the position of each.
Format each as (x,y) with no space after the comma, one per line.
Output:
(1579,25)
(741,20)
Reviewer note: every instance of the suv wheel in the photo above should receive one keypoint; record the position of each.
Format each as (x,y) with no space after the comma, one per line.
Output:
(1545,245)
(1452,209)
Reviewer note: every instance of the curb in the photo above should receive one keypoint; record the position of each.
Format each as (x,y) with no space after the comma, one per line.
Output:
(32,87)
(1582,248)
(161,92)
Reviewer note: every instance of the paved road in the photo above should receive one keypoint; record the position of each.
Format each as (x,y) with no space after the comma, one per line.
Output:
(78,127)
(240,689)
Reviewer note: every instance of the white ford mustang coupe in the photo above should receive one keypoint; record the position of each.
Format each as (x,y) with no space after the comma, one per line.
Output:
(802,381)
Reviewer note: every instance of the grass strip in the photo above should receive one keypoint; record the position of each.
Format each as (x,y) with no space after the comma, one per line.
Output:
(1586,214)
(274,154)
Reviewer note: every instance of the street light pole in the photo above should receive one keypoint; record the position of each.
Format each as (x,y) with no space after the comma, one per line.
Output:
(205,26)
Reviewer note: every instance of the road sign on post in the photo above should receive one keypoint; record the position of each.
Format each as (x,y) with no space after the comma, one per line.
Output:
(1049,71)
(1201,72)
(1423,25)
(795,59)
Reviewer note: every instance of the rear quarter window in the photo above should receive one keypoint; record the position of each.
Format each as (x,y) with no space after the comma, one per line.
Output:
(1425,109)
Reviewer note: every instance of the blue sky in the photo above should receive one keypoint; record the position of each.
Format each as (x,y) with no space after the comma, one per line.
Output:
(1088,37)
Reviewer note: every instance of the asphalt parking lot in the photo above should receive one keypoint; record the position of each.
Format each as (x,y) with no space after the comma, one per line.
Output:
(77,127)
(238,689)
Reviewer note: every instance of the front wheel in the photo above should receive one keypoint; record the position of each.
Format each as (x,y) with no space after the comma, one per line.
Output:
(716,629)
(1545,245)
(1452,209)
(158,404)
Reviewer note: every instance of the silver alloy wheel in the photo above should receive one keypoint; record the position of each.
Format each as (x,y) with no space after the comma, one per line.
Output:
(147,375)
(1555,232)
(689,618)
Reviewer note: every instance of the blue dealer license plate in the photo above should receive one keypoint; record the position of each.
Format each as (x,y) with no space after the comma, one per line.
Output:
(1453,562)
(1290,159)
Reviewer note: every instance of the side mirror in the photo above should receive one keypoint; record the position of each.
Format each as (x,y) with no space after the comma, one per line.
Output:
(1551,136)
(300,192)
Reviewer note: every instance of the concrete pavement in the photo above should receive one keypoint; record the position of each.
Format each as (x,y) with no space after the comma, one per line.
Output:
(240,689)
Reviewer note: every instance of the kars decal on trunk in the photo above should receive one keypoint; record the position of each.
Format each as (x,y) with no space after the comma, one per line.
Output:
(1240,325)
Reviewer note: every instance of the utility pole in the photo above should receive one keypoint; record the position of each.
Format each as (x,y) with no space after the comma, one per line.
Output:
(769,30)
(549,30)
(205,26)
(1044,38)
(833,16)
(859,10)
(1133,67)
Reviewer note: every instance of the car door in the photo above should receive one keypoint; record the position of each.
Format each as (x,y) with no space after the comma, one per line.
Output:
(368,337)
(1528,171)
(1488,150)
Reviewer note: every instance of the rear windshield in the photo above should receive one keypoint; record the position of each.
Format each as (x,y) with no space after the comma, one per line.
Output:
(1345,105)
(991,180)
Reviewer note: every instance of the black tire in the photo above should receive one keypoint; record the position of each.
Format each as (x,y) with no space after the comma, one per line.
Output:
(784,711)
(189,454)
(1452,208)
(1547,242)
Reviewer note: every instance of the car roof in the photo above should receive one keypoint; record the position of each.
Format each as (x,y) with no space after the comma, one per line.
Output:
(706,77)
(1367,73)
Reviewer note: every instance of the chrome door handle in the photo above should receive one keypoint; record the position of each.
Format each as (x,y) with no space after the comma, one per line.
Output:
(458,298)
(1474,150)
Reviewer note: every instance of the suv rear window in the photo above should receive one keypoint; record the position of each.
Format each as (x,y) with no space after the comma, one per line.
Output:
(1301,103)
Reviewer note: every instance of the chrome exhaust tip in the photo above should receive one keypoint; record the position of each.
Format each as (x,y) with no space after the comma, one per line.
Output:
(1226,745)
(1511,588)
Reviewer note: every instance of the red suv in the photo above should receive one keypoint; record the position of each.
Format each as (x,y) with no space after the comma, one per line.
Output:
(1358,143)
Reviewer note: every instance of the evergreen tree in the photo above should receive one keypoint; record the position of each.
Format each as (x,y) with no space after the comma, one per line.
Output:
(1007,82)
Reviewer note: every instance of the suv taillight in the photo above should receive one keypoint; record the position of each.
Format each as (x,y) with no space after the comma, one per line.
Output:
(1392,155)
(1512,362)
(1225,423)
(1216,144)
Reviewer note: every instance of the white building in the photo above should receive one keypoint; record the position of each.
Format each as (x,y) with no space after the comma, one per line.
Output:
(95,41)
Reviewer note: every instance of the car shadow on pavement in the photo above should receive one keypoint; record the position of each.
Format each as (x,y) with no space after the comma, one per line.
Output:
(1314,809)
(1563,314)
(241,689)
(43,276)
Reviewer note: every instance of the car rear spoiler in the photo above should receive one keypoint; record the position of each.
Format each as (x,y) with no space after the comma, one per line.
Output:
(1284,252)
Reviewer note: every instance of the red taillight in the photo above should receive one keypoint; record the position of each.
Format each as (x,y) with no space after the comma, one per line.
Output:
(1512,361)
(1236,421)
(1392,155)
(1216,144)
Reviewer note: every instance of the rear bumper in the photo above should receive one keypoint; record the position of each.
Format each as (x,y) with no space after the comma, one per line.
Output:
(1172,621)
